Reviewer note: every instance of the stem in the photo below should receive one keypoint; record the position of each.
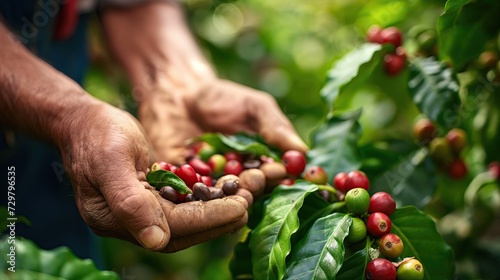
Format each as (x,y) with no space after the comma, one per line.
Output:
(335,206)
(328,188)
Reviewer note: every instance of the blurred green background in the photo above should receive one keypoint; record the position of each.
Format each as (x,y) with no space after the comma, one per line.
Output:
(286,49)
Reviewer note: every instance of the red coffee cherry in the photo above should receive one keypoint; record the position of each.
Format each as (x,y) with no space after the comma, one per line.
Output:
(390,245)
(356,179)
(457,169)
(373,34)
(187,174)
(424,131)
(391,35)
(380,269)
(200,166)
(393,64)
(457,138)
(207,180)
(494,169)
(287,182)
(316,175)
(378,224)
(233,155)
(295,162)
(339,181)
(382,202)
(160,165)
(233,167)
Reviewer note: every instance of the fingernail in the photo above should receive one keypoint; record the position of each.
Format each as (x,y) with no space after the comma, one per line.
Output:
(299,144)
(151,237)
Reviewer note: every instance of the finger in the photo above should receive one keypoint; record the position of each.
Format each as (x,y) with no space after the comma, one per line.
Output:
(183,242)
(137,209)
(201,216)
(274,126)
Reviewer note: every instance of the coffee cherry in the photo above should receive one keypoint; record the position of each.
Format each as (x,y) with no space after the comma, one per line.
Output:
(200,166)
(382,202)
(216,193)
(378,224)
(373,34)
(233,155)
(494,169)
(287,182)
(206,151)
(294,161)
(316,175)
(201,192)
(207,180)
(230,187)
(169,193)
(390,245)
(189,197)
(457,138)
(440,150)
(391,35)
(339,181)
(457,169)
(411,269)
(357,231)
(254,180)
(187,174)
(357,201)
(233,167)
(274,172)
(356,179)
(160,165)
(393,64)
(217,163)
(424,131)
(380,269)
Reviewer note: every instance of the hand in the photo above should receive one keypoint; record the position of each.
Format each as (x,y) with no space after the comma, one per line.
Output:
(107,156)
(178,92)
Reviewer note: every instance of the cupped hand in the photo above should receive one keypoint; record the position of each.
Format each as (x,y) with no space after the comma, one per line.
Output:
(171,118)
(106,156)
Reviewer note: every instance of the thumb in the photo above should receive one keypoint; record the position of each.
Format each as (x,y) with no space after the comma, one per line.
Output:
(137,209)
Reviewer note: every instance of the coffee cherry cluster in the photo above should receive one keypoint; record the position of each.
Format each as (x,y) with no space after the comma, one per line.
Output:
(445,150)
(210,174)
(371,217)
(394,61)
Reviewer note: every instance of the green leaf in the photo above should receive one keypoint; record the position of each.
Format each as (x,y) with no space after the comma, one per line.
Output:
(355,265)
(377,156)
(411,181)
(51,262)
(162,178)
(465,27)
(243,143)
(434,90)
(355,67)
(77,269)
(22,274)
(321,253)
(334,144)
(314,207)
(422,241)
(270,240)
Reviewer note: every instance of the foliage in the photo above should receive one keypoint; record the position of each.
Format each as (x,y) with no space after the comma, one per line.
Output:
(287,48)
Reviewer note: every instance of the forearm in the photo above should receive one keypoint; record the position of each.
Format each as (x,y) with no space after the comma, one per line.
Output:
(156,47)
(35,98)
